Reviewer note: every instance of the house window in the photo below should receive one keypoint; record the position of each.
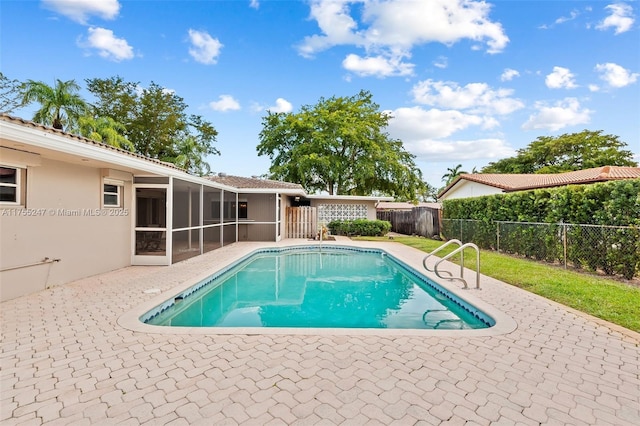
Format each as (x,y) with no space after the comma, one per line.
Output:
(112,193)
(10,185)
(242,210)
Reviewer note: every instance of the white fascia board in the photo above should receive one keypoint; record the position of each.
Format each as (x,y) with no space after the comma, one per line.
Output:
(46,140)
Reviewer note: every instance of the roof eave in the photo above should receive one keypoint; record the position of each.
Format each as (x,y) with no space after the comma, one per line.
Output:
(71,145)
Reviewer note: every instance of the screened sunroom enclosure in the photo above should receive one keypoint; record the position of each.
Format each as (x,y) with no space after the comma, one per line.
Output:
(176,219)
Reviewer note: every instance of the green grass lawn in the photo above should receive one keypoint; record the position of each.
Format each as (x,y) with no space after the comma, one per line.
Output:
(601,297)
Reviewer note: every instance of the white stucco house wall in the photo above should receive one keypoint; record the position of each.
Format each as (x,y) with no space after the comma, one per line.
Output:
(71,207)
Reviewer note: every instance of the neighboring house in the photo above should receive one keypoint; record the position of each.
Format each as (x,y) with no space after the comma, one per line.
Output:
(71,207)
(476,185)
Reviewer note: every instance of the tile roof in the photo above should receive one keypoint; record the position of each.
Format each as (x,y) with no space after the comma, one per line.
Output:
(520,182)
(27,123)
(253,183)
(233,181)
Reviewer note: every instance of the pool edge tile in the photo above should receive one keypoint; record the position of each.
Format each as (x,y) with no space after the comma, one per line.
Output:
(409,256)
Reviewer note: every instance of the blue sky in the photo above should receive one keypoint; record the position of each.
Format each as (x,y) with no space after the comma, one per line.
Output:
(466,82)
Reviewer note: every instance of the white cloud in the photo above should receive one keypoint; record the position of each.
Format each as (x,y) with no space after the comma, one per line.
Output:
(423,133)
(573,15)
(378,66)
(594,88)
(621,18)
(225,103)
(282,105)
(336,25)
(405,23)
(409,123)
(81,10)
(560,78)
(390,29)
(564,113)
(561,20)
(475,97)
(204,48)
(508,74)
(254,4)
(459,150)
(441,62)
(615,75)
(107,44)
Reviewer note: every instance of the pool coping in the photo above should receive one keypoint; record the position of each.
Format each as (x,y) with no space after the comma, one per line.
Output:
(412,257)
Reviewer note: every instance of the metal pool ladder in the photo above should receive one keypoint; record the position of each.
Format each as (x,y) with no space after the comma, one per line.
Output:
(449,275)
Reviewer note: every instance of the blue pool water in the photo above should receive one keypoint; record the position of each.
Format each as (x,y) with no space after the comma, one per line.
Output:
(319,287)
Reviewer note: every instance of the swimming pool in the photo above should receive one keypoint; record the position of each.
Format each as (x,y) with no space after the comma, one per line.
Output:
(318,287)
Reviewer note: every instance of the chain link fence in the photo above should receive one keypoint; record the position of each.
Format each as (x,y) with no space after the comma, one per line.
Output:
(614,250)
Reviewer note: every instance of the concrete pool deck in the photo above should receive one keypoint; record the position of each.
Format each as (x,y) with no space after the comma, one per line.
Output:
(72,355)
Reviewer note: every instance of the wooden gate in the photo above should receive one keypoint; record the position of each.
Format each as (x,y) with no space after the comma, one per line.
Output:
(301,222)
(424,221)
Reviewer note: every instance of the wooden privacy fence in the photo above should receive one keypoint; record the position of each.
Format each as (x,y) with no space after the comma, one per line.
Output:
(302,222)
(424,221)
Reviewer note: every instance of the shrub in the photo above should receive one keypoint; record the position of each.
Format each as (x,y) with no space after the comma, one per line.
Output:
(362,227)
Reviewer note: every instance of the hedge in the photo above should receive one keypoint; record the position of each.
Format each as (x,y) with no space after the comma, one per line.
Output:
(614,203)
(362,227)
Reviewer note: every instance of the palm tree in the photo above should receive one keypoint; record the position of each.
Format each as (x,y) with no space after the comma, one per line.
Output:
(452,174)
(61,106)
(105,130)
(189,156)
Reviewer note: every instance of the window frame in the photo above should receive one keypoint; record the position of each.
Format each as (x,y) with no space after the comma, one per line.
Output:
(18,185)
(119,190)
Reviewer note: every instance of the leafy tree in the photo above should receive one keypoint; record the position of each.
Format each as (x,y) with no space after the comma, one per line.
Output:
(568,152)
(156,122)
(189,156)
(452,173)
(106,130)
(201,145)
(339,146)
(61,105)
(116,99)
(10,96)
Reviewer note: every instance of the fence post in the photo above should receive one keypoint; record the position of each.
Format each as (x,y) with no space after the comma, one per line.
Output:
(498,236)
(414,221)
(564,244)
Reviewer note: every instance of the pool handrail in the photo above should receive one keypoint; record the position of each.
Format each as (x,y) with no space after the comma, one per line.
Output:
(452,241)
(460,250)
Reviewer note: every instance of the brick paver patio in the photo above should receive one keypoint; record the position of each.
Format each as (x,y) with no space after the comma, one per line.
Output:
(68,357)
